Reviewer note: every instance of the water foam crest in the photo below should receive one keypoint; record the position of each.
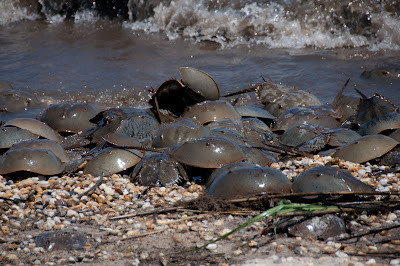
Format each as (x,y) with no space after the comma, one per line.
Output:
(11,11)
(276,25)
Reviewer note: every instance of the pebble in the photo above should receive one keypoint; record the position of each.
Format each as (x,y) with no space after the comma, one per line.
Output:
(212,246)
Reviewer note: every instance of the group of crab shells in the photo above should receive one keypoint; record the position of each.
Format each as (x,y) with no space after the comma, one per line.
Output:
(189,131)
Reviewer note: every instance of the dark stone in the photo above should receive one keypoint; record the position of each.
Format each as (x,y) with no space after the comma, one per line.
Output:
(62,239)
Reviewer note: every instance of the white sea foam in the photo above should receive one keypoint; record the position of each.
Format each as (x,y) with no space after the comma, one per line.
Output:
(11,11)
(268,24)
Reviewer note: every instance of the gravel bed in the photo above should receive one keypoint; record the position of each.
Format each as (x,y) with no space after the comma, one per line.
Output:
(108,218)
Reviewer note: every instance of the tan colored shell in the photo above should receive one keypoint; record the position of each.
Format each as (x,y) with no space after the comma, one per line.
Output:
(36,127)
(121,139)
(293,99)
(38,161)
(200,82)
(12,135)
(328,179)
(366,148)
(249,181)
(209,111)
(44,144)
(208,152)
(69,117)
(111,160)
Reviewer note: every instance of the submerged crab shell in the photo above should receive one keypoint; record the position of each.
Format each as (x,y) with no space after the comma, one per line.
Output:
(209,111)
(44,144)
(208,152)
(158,169)
(328,179)
(36,127)
(38,161)
(200,82)
(69,117)
(366,148)
(247,182)
(111,160)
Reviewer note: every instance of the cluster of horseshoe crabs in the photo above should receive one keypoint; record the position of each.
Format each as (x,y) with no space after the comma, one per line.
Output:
(190,132)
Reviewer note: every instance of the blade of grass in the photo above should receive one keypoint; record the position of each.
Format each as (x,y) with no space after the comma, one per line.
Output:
(283,207)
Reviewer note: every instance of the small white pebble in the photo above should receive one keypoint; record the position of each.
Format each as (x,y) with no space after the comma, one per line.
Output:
(371,261)
(391,217)
(395,262)
(211,246)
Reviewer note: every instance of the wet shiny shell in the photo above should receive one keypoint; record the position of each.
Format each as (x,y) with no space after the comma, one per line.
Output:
(159,169)
(380,123)
(233,125)
(328,179)
(366,148)
(208,152)
(226,168)
(256,156)
(12,135)
(120,139)
(209,111)
(44,144)
(254,111)
(38,161)
(176,133)
(247,182)
(293,99)
(299,134)
(200,82)
(36,127)
(395,135)
(308,115)
(69,117)
(111,160)
(341,136)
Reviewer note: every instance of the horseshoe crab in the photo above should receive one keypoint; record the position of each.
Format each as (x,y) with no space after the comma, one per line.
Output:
(200,82)
(208,152)
(139,125)
(257,132)
(270,91)
(120,139)
(293,99)
(38,161)
(17,100)
(226,168)
(314,115)
(209,111)
(159,170)
(328,179)
(179,132)
(36,127)
(107,122)
(257,156)
(395,135)
(341,136)
(233,125)
(69,117)
(385,72)
(112,160)
(254,111)
(12,135)
(372,107)
(298,134)
(380,123)
(249,181)
(366,148)
(173,96)
(44,144)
